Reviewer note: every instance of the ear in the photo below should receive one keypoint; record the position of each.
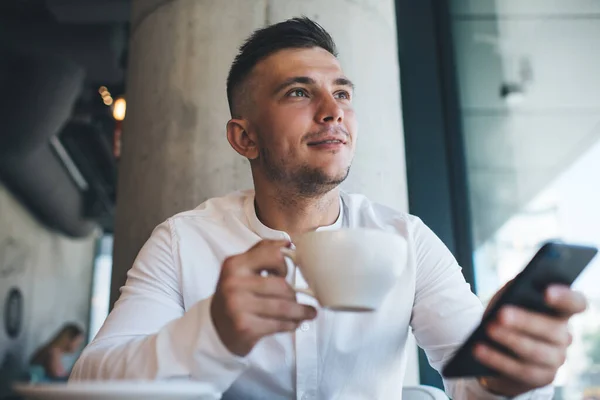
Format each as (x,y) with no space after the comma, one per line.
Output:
(241,140)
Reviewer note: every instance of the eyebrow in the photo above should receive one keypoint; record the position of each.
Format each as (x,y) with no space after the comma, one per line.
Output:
(344,82)
(310,81)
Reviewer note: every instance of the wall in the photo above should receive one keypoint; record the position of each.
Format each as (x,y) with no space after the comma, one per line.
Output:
(53,274)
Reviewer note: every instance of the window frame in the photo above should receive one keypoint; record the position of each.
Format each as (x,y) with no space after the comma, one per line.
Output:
(435,157)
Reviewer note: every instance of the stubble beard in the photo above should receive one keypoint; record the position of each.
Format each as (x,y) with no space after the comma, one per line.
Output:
(303,181)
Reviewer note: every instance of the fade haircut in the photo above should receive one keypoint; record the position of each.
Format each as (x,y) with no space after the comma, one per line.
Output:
(295,33)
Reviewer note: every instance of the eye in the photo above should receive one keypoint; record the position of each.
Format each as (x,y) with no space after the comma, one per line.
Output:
(298,93)
(342,95)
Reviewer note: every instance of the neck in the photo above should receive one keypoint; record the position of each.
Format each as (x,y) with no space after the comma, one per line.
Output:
(296,214)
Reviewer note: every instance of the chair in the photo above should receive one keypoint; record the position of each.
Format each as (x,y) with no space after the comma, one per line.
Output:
(422,392)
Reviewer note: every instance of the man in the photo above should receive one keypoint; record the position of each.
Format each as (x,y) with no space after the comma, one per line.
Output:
(197,305)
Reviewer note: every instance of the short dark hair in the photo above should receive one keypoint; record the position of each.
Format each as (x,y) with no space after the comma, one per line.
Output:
(72,330)
(294,33)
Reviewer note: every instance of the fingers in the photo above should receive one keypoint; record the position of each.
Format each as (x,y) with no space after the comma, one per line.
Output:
(247,306)
(269,297)
(282,310)
(256,327)
(548,329)
(565,300)
(265,255)
(241,289)
(247,328)
(531,375)
(538,342)
(270,286)
(526,348)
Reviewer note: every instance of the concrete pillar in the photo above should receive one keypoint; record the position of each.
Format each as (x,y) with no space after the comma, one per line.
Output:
(175,154)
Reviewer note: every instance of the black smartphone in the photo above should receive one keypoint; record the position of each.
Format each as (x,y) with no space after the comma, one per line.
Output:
(554,263)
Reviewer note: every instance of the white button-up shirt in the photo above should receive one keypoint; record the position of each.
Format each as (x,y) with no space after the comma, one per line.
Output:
(160,328)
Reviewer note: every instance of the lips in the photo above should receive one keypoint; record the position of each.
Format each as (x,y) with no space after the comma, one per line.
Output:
(328,140)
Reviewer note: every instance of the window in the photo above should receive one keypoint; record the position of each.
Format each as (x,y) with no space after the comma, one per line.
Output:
(530,109)
(101,285)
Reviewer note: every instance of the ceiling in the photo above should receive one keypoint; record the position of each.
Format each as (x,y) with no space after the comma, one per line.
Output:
(40,41)
(91,32)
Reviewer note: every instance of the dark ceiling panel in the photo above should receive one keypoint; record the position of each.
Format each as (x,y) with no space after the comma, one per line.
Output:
(90,11)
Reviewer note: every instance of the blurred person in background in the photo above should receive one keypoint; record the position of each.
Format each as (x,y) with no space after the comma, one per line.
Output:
(57,357)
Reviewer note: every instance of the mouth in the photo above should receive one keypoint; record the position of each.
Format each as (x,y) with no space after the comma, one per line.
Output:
(327,141)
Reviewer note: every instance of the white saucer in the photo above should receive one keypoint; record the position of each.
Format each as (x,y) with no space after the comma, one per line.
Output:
(114,390)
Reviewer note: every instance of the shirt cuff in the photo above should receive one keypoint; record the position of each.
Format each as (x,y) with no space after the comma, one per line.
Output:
(476,391)
(212,362)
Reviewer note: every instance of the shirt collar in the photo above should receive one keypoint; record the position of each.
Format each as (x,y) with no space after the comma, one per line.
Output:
(267,233)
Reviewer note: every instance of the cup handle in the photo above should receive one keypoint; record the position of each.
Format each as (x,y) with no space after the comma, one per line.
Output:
(291,254)
(305,291)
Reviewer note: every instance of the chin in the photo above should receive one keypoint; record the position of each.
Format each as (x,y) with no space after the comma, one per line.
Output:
(311,181)
(336,175)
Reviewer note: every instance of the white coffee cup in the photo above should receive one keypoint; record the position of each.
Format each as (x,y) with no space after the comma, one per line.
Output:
(349,269)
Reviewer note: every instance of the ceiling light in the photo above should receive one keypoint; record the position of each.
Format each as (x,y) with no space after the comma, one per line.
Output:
(119,109)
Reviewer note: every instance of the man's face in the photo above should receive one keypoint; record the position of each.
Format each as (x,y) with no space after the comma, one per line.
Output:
(303,120)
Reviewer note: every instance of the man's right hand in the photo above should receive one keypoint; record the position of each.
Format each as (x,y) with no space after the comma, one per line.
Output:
(247,306)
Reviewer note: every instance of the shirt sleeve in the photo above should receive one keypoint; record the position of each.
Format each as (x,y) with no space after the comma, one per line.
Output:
(446,311)
(149,335)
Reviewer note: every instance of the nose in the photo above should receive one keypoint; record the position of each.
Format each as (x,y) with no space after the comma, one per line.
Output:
(329,112)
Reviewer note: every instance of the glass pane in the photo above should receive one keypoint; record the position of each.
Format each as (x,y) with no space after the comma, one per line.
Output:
(530,104)
(101,285)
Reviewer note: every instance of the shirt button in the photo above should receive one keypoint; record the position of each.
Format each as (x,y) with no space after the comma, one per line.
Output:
(304,327)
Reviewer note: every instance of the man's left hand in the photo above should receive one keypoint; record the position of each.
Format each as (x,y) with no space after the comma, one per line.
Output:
(539,340)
